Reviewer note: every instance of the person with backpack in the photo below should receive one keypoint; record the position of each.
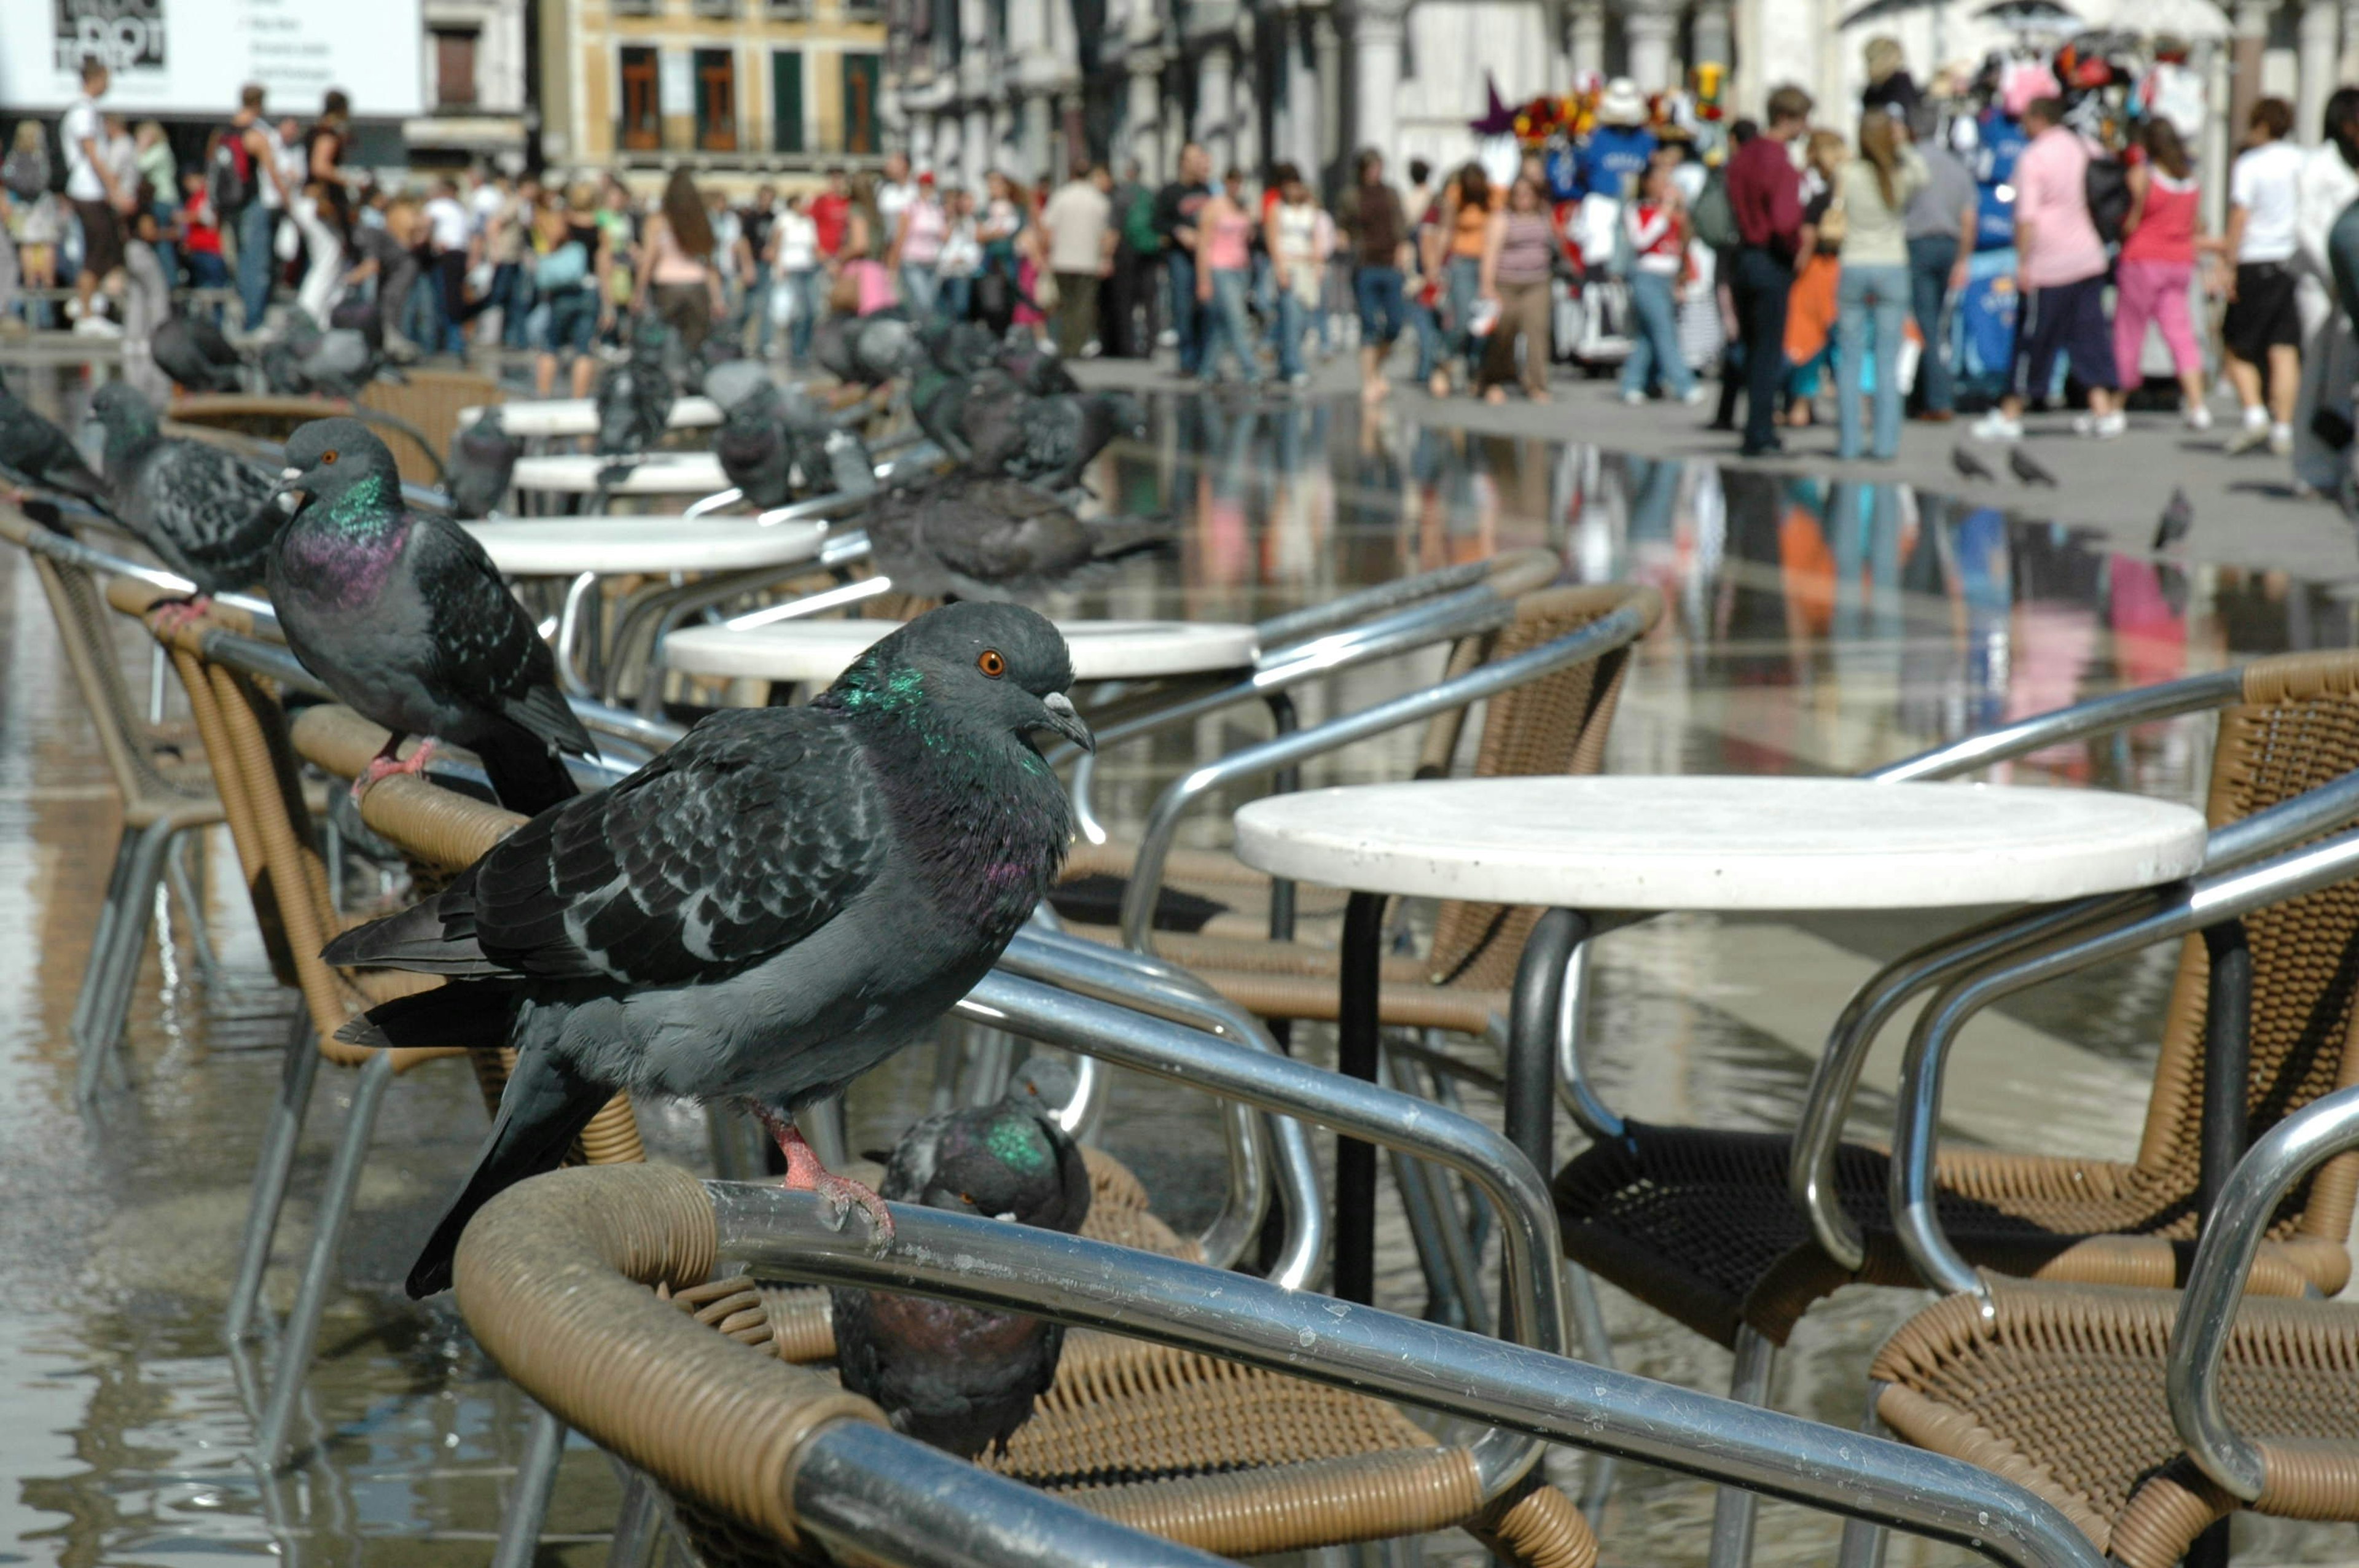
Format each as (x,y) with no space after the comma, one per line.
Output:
(1941,229)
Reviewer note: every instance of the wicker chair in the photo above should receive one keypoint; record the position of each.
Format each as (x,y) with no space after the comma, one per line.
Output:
(274,418)
(1699,1223)
(256,773)
(428,402)
(163,797)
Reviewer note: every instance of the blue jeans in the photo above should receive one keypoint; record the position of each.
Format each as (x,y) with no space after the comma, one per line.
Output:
(1655,346)
(1462,284)
(1187,316)
(1930,259)
(256,226)
(1429,339)
(808,287)
(919,288)
(1293,320)
(957,296)
(1227,325)
(1377,292)
(1865,295)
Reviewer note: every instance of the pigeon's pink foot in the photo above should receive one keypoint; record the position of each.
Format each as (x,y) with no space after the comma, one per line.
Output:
(806,1175)
(385,766)
(183,613)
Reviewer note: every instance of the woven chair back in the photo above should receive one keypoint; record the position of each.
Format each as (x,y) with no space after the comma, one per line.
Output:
(2297,729)
(1556,724)
(429,401)
(85,628)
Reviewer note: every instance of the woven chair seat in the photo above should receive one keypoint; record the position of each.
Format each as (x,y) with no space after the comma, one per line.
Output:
(1697,1223)
(2061,1391)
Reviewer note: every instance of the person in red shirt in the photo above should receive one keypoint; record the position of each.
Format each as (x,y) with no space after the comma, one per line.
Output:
(831,214)
(1765,196)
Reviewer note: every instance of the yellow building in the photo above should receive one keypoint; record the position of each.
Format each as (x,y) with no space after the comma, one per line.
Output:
(748,86)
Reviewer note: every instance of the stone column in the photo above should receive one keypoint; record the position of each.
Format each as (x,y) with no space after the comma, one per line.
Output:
(1038,160)
(2349,70)
(922,140)
(1143,117)
(2252,33)
(1327,72)
(1216,105)
(975,149)
(1588,46)
(1712,34)
(2322,23)
(1375,77)
(1648,28)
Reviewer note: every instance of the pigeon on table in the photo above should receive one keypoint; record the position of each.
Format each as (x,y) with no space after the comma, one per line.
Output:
(403,616)
(634,397)
(207,513)
(941,403)
(1037,367)
(2178,518)
(759,916)
(988,536)
(36,455)
(1969,467)
(308,363)
(777,445)
(1049,440)
(192,351)
(957,347)
(866,351)
(2029,469)
(483,460)
(960,1377)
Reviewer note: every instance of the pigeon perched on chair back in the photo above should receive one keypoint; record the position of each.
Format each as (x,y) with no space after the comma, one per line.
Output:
(960,1377)
(988,536)
(192,351)
(403,616)
(36,455)
(761,914)
(207,513)
(483,460)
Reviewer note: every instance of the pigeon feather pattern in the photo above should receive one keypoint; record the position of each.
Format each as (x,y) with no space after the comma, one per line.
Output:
(36,455)
(983,536)
(403,616)
(192,351)
(760,915)
(207,513)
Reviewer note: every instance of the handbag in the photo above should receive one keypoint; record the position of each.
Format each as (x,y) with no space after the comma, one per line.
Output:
(1045,293)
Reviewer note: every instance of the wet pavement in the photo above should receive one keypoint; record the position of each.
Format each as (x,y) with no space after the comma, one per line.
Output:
(1810,627)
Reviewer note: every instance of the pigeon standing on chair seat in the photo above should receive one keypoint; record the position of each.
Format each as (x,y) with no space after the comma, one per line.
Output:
(961,1377)
(192,351)
(36,455)
(403,616)
(483,460)
(207,513)
(761,914)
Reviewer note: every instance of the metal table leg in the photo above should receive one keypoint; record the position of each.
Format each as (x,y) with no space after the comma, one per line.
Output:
(1357,1013)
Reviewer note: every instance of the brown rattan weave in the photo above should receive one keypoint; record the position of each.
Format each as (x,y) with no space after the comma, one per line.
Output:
(2061,1391)
(1698,1223)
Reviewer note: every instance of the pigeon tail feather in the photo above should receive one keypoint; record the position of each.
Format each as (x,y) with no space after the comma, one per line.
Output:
(526,772)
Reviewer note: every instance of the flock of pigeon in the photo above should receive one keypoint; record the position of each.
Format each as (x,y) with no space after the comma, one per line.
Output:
(2178,516)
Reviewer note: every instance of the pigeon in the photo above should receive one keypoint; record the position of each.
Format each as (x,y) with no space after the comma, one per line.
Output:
(957,347)
(403,616)
(778,446)
(1962,458)
(2027,469)
(2178,517)
(868,349)
(36,455)
(940,402)
(1049,440)
(731,382)
(482,460)
(963,1379)
(634,397)
(992,538)
(207,513)
(760,915)
(192,351)
(308,363)
(1035,366)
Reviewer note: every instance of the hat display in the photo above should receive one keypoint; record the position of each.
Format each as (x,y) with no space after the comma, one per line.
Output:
(1622,103)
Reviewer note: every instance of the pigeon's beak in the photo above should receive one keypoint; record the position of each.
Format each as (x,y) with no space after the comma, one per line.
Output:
(1068,723)
(290,493)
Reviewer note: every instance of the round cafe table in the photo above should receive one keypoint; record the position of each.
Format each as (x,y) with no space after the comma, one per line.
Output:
(614,546)
(656,473)
(549,417)
(1606,849)
(815,652)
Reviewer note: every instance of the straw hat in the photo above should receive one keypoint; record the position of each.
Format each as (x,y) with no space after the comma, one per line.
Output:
(1621,104)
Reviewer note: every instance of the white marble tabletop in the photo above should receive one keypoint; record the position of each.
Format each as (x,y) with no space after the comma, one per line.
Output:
(566,547)
(658,473)
(1642,842)
(534,418)
(814,652)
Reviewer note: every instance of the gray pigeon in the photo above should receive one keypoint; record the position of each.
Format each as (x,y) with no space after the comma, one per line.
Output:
(1969,467)
(1037,367)
(778,446)
(957,347)
(963,1379)
(760,915)
(403,616)
(868,349)
(308,363)
(482,460)
(1049,440)
(2177,518)
(207,513)
(2027,469)
(989,536)
(192,351)
(634,397)
(36,455)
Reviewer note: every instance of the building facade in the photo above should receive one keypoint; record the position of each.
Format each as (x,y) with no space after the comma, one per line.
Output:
(758,87)
(471,81)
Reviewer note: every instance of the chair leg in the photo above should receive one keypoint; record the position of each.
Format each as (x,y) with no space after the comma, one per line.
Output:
(271,1170)
(184,888)
(638,1522)
(302,1330)
(101,940)
(126,944)
(1731,1516)
(1863,1543)
(544,1445)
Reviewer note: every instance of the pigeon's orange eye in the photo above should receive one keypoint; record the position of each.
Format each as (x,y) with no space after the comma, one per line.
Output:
(991,664)
(967,1198)
(327,457)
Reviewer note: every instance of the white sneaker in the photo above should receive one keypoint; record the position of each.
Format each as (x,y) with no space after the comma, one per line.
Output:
(96,326)
(2085,424)
(1695,395)
(2251,439)
(1633,398)
(1996,426)
(2110,426)
(2198,416)
(2281,441)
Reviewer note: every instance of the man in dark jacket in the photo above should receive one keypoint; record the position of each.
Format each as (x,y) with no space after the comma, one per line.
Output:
(1176,206)
(1764,194)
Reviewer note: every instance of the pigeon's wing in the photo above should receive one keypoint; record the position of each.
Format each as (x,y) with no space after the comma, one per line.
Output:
(210,514)
(1008,533)
(486,649)
(38,454)
(744,839)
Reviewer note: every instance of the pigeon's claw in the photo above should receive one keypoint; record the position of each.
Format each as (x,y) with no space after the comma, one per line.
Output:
(384,765)
(174,616)
(806,1175)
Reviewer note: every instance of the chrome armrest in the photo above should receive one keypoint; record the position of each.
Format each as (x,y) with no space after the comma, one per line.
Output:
(1517,571)
(599,718)
(2141,705)
(2184,908)
(1617,629)
(2215,1284)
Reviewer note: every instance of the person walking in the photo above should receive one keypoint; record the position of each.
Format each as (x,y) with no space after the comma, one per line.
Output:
(2156,265)
(797,294)
(1656,228)
(34,222)
(961,256)
(1458,241)
(916,251)
(1178,206)
(1380,253)
(1079,224)
(2262,329)
(97,198)
(2330,360)
(570,264)
(1764,194)
(1518,256)
(1128,292)
(1943,213)
(1872,293)
(323,209)
(1291,235)
(676,269)
(2059,269)
(1223,255)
